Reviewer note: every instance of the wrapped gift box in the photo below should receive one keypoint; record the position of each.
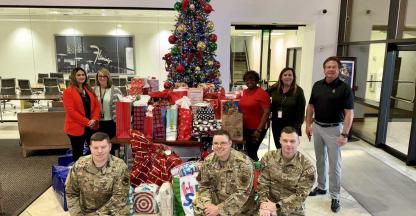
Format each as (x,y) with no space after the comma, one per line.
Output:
(65,160)
(59,174)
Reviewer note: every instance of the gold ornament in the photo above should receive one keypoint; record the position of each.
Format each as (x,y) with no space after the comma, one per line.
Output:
(210,25)
(210,63)
(181,28)
(197,68)
(201,46)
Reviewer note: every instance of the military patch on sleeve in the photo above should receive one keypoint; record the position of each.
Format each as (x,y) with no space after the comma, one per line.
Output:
(125,181)
(310,170)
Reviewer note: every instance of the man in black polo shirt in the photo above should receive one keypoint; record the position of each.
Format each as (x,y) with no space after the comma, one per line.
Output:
(332,102)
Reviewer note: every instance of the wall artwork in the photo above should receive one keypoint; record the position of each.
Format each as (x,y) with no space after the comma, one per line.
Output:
(115,53)
(347,72)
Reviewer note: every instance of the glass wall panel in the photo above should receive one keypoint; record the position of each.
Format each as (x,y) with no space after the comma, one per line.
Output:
(410,20)
(369,17)
(368,78)
(402,102)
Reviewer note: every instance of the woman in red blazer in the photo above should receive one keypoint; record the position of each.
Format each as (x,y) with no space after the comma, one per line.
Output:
(82,112)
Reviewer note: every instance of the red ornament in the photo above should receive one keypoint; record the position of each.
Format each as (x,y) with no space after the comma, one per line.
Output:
(198,18)
(180,68)
(213,38)
(167,85)
(190,43)
(208,8)
(172,39)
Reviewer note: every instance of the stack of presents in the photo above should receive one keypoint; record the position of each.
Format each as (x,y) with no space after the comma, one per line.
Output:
(163,183)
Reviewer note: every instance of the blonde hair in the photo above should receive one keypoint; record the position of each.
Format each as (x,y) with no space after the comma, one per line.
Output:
(106,73)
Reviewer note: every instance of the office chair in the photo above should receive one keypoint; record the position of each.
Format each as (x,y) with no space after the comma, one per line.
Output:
(41,76)
(122,82)
(24,86)
(8,87)
(59,76)
(123,90)
(92,82)
(116,81)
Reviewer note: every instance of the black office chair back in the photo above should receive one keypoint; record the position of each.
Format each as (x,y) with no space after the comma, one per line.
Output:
(123,90)
(116,81)
(50,82)
(92,82)
(24,84)
(8,91)
(123,82)
(52,90)
(56,75)
(41,76)
(8,83)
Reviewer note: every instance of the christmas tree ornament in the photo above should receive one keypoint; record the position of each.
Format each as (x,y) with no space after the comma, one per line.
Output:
(201,46)
(212,46)
(167,85)
(217,64)
(175,51)
(192,7)
(172,39)
(181,28)
(210,63)
(208,8)
(197,68)
(213,38)
(210,25)
(180,68)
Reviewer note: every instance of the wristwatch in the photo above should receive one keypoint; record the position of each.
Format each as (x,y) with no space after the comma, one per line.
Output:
(345,135)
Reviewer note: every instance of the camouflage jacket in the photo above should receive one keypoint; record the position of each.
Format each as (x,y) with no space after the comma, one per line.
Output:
(286,183)
(228,184)
(93,191)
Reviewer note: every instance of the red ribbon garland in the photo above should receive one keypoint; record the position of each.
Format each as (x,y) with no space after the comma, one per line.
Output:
(185,5)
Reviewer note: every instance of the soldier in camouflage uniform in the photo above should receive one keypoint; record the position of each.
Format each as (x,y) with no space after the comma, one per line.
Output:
(225,181)
(286,179)
(98,184)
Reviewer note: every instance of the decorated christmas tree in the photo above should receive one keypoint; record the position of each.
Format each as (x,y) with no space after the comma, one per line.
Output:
(191,59)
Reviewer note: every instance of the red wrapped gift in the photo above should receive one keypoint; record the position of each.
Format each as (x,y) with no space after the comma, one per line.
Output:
(123,120)
(136,86)
(159,129)
(184,124)
(148,123)
(153,84)
(151,163)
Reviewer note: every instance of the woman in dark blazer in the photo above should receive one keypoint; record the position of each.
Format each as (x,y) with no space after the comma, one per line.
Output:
(288,104)
(82,111)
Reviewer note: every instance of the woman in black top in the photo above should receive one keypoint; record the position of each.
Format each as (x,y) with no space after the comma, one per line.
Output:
(288,104)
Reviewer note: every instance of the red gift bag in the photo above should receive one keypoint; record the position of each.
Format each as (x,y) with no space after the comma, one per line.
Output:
(123,120)
(159,124)
(139,114)
(148,127)
(184,124)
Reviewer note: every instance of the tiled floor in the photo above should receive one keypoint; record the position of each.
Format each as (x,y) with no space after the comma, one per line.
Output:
(319,205)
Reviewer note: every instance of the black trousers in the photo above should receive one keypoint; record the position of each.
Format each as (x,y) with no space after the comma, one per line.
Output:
(252,146)
(277,127)
(109,127)
(77,143)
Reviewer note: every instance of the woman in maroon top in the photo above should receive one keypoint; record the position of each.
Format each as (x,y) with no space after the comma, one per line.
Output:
(255,106)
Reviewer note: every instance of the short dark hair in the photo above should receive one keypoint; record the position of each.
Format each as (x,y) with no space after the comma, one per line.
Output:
(251,74)
(332,58)
(221,133)
(289,130)
(100,136)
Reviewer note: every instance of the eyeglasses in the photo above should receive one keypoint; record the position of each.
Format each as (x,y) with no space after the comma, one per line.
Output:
(102,76)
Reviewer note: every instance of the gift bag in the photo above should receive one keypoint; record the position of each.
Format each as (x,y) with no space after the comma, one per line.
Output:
(153,84)
(123,120)
(232,121)
(165,199)
(185,124)
(196,95)
(215,103)
(139,114)
(159,122)
(171,123)
(144,200)
(136,86)
(184,189)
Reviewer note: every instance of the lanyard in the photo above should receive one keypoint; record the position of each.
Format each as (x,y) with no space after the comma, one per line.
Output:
(102,102)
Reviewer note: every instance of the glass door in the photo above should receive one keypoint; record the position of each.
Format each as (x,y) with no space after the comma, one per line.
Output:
(401,115)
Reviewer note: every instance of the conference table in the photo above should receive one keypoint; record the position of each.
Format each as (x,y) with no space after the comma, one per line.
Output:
(4,98)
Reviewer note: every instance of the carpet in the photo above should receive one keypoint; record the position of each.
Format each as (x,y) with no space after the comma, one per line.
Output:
(377,187)
(23,179)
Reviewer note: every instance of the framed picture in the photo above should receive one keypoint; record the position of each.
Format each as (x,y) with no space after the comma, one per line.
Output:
(116,53)
(347,72)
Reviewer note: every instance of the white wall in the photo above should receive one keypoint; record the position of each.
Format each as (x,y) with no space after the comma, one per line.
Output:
(323,28)
(28,47)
